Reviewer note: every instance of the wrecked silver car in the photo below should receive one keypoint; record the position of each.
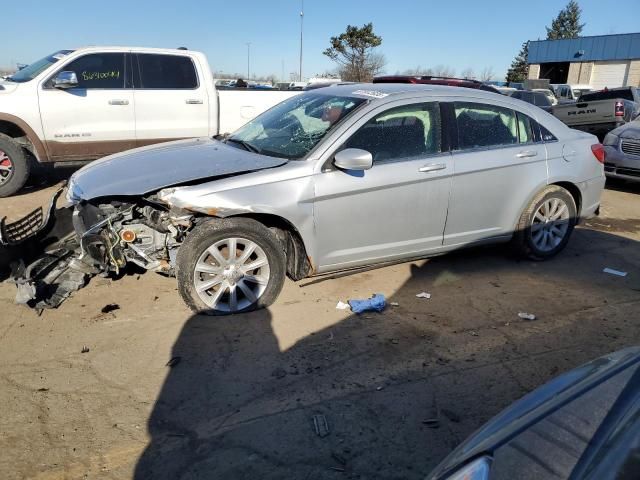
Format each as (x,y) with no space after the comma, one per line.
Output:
(333,179)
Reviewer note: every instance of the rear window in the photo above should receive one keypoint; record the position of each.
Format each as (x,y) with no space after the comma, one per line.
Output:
(482,125)
(169,72)
(627,94)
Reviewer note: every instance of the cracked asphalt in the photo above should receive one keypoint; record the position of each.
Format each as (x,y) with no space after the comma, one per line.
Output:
(239,401)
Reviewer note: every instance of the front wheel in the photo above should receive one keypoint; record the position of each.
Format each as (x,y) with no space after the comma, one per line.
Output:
(14,166)
(229,266)
(546,225)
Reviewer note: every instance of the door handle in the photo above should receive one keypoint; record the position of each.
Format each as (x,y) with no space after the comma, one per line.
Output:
(432,167)
(118,102)
(527,154)
(193,101)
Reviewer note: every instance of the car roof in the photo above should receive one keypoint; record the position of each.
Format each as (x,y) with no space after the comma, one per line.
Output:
(379,91)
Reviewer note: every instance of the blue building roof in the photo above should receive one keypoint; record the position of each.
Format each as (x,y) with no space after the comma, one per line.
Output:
(586,49)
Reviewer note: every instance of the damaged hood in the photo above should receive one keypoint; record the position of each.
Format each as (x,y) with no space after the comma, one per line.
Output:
(147,169)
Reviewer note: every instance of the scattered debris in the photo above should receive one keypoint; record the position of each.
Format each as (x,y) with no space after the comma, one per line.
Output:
(43,389)
(321,426)
(377,303)
(423,295)
(110,308)
(379,388)
(473,333)
(85,349)
(451,415)
(432,422)
(279,373)
(155,298)
(342,306)
(337,469)
(526,316)
(394,304)
(173,362)
(615,272)
(395,341)
(339,458)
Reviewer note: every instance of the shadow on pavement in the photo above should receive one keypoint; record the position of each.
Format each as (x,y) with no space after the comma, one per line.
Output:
(398,389)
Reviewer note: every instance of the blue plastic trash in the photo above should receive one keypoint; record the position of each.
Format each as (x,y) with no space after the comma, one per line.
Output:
(376,303)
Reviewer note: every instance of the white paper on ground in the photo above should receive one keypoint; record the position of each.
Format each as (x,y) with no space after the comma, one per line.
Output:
(615,272)
(342,306)
(423,295)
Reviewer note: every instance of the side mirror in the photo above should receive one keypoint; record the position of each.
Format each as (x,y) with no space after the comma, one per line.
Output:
(65,80)
(353,159)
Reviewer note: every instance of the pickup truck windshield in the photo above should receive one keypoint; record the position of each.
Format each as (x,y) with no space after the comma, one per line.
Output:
(626,94)
(292,128)
(32,71)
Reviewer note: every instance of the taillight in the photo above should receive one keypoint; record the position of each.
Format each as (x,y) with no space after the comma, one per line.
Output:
(598,152)
(619,109)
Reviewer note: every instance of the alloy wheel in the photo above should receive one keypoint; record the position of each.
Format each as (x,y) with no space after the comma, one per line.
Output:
(6,167)
(550,224)
(232,274)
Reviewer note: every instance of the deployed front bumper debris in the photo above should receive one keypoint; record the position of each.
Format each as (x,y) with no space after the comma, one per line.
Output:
(40,252)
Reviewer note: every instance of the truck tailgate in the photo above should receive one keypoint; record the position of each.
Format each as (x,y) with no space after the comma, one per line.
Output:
(584,113)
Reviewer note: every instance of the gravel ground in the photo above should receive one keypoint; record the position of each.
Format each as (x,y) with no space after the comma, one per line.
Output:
(239,403)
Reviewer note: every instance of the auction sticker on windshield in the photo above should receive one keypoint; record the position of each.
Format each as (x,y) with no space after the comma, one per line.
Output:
(371,93)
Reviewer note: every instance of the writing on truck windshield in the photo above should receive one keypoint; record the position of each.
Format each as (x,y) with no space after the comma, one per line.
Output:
(33,70)
(294,127)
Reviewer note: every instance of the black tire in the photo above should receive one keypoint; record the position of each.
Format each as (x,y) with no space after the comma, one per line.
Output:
(523,240)
(19,174)
(205,235)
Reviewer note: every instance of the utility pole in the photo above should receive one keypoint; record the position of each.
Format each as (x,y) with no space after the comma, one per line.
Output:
(248,60)
(301,21)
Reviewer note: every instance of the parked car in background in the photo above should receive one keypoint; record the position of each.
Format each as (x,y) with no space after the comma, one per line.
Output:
(602,111)
(432,80)
(569,93)
(548,93)
(582,425)
(539,99)
(285,194)
(622,152)
(83,104)
(508,91)
(516,85)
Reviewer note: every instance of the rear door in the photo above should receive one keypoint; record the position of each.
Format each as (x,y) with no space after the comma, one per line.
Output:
(498,164)
(94,119)
(170,98)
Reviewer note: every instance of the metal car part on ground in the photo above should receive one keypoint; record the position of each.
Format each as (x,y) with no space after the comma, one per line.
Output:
(288,194)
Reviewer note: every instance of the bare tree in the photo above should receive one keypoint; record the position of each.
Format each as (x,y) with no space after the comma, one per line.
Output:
(487,74)
(467,73)
(417,71)
(444,71)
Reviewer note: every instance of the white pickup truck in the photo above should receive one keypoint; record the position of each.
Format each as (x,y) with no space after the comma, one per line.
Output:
(83,104)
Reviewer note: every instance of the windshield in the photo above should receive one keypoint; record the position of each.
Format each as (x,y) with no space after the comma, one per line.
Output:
(32,71)
(292,128)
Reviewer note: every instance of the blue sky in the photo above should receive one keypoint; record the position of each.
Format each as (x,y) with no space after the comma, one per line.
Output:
(461,34)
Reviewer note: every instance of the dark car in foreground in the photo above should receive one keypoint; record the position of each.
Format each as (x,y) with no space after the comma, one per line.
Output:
(582,425)
(433,80)
(622,152)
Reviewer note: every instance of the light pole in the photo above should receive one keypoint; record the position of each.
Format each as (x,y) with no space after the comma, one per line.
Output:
(248,60)
(301,21)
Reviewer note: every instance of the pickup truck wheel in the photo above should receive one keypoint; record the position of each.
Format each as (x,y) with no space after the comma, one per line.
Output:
(229,266)
(14,166)
(546,225)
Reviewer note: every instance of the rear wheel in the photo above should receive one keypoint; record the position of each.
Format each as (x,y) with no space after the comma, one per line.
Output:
(546,225)
(230,266)
(14,166)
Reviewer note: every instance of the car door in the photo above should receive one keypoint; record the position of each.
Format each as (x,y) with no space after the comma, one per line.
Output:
(94,118)
(171,100)
(396,209)
(498,166)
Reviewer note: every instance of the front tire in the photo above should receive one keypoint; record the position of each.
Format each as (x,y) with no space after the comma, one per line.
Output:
(227,266)
(14,166)
(546,225)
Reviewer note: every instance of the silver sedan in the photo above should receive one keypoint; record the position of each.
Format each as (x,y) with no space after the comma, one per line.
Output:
(334,179)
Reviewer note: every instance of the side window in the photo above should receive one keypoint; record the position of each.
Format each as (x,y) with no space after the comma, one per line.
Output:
(482,125)
(525,128)
(401,132)
(99,70)
(547,136)
(167,72)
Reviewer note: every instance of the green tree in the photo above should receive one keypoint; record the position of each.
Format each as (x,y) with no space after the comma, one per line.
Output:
(519,67)
(354,52)
(567,23)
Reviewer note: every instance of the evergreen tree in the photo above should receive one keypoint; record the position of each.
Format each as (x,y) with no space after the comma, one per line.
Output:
(354,52)
(567,23)
(519,68)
